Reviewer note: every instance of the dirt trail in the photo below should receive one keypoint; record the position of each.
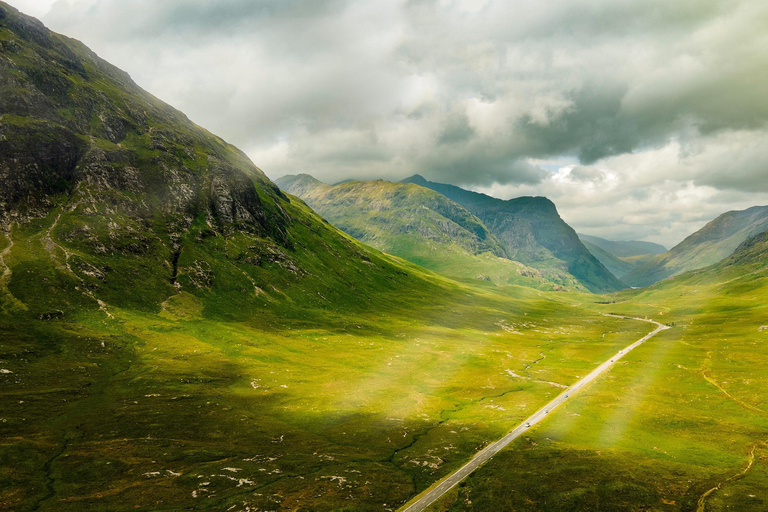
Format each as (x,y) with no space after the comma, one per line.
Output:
(5,252)
(718,386)
(701,504)
(50,245)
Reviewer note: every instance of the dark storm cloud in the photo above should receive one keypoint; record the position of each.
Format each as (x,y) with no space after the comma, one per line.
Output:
(588,78)
(457,130)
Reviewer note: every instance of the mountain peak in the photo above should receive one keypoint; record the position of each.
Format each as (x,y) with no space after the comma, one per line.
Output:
(417,179)
(711,244)
(533,233)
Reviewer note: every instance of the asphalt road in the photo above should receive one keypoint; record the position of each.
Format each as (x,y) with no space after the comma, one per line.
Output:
(425,499)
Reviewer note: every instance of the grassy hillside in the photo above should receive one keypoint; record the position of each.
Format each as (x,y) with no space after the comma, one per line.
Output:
(680,425)
(533,233)
(419,225)
(709,245)
(178,334)
(621,257)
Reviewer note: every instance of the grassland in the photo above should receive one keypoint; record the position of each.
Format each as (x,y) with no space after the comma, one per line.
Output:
(681,424)
(197,406)
(224,397)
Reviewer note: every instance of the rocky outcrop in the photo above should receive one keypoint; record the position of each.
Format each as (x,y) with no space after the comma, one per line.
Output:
(73,126)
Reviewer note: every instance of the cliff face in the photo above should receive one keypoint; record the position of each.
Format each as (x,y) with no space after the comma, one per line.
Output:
(533,233)
(73,126)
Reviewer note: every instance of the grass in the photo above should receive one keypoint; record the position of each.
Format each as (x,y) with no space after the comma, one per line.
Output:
(154,356)
(308,403)
(678,417)
(266,390)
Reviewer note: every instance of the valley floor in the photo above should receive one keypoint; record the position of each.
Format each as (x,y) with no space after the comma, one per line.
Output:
(163,412)
(119,409)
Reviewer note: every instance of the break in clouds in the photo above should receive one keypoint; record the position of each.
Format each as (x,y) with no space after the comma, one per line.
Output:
(640,119)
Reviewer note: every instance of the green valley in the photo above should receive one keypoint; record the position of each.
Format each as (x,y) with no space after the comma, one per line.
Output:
(680,425)
(179,332)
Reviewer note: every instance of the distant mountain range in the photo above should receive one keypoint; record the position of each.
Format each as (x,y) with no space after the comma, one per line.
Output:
(418,224)
(533,233)
(712,243)
(621,257)
(624,249)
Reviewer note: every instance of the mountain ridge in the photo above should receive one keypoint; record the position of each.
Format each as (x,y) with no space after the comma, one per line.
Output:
(415,223)
(533,233)
(620,257)
(624,248)
(717,240)
(120,199)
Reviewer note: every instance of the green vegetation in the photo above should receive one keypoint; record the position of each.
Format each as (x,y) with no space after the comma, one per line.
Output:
(421,226)
(621,257)
(617,266)
(680,417)
(715,241)
(300,400)
(532,233)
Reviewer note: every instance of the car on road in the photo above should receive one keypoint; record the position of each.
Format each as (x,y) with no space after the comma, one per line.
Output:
(527,424)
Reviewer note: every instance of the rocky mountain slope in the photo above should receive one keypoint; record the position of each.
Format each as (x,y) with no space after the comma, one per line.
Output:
(417,224)
(110,196)
(617,266)
(715,241)
(533,233)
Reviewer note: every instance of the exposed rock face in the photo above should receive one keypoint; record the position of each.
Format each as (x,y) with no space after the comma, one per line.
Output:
(35,162)
(533,233)
(73,126)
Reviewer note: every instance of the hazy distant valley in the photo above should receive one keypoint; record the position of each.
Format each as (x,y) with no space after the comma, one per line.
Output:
(179,332)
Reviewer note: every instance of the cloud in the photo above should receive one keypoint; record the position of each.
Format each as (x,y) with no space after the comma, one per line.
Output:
(642,100)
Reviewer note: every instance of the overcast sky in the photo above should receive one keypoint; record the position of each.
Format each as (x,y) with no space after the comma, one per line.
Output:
(640,119)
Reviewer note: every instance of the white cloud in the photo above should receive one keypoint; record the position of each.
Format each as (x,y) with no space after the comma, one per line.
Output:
(657,107)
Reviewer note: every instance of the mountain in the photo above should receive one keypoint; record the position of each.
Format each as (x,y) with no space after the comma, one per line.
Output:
(533,233)
(152,283)
(715,241)
(117,198)
(415,223)
(624,249)
(621,257)
(617,266)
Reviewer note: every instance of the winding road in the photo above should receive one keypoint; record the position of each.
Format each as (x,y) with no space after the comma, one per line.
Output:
(429,496)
